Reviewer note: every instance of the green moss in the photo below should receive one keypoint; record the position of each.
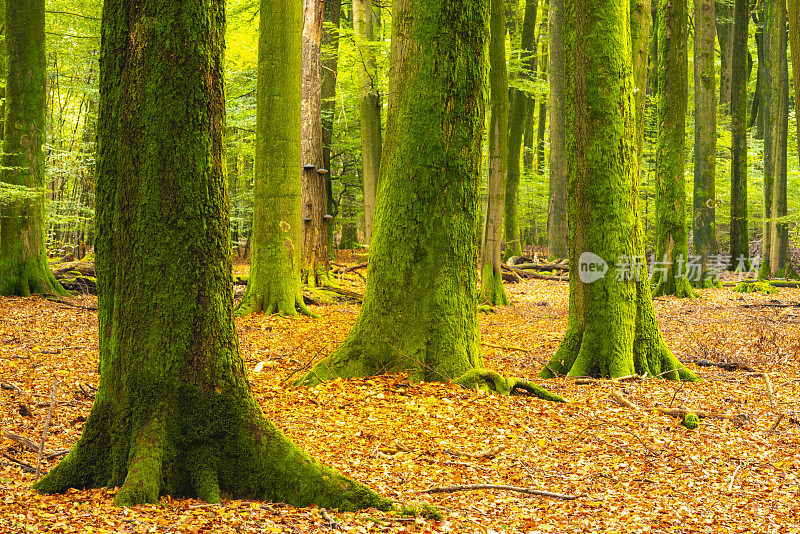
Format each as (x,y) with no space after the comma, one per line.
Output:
(691,421)
(761,286)
(425,510)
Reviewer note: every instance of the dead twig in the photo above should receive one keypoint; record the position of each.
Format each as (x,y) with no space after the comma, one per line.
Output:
(491,453)
(330,522)
(8,386)
(471,487)
(21,439)
(733,477)
(768,384)
(25,467)
(776,423)
(45,429)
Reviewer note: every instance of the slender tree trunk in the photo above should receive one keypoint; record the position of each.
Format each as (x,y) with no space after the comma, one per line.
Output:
(517,118)
(793,8)
(542,115)
(776,96)
(672,244)
(492,290)
(704,236)
(274,282)
(370,109)
(419,313)
(723,10)
(23,258)
(611,330)
(330,66)
(314,198)
(759,104)
(640,52)
(174,413)
(557,230)
(740,244)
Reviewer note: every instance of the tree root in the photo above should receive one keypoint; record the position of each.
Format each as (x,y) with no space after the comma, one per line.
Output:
(490,380)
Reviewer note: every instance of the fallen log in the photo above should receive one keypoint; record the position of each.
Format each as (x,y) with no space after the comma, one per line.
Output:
(471,487)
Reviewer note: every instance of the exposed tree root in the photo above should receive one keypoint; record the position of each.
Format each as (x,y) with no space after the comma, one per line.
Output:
(490,380)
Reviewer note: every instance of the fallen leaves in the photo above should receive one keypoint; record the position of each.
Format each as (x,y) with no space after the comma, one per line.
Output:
(637,470)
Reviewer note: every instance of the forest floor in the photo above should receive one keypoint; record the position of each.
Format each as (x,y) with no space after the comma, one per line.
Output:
(634,470)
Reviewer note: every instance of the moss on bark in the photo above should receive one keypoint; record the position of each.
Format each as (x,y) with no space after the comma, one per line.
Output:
(174,413)
(611,329)
(23,258)
(274,283)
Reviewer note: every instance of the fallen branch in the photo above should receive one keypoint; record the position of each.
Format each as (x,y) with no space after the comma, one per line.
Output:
(768,383)
(46,428)
(21,439)
(491,453)
(727,366)
(330,522)
(344,292)
(25,467)
(8,386)
(733,477)
(674,412)
(776,423)
(471,487)
(345,270)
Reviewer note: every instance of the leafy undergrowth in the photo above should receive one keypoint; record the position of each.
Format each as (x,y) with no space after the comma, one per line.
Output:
(634,471)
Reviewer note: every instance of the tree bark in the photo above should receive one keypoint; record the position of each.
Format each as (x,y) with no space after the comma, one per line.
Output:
(611,330)
(672,241)
(517,117)
(174,413)
(492,291)
(316,263)
(723,10)
(370,109)
(776,97)
(740,244)
(23,257)
(274,283)
(542,115)
(704,236)
(557,230)
(330,66)
(419,313)
(640,51)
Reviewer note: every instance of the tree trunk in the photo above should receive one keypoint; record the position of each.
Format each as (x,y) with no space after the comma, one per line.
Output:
(370,109)
(174,413)
(611,330)
(557,230)
(776,96)
(419,313)
(704,236)
(330,66)
(542,115)
(723,10)
(274,283)
(492,291)
(640,52)
(316,263)
(672,241)
(23,257)
(758,113)
(793,8)
(516,124)
(740,244)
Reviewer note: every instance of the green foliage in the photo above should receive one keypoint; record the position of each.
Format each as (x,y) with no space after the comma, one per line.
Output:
(424,509)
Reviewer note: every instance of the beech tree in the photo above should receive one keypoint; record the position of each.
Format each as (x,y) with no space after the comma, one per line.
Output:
(557,229)
(274,282)
(611,329)
(518,112)
(174,413)
(420,309)
(23,259)
(672,240)
(492,290)
(369,107)
(740,244)
(704,236)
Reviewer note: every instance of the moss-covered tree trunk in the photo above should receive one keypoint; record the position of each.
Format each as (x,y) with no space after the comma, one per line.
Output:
(314,199)
(557,230)
(419,313)
(542,114)
(492,291)
(672,240)
(611,330)
(740,244)
(518,113)
(704,236)
(723,15)
(23,258)
(640,52)
(793,14)
(776,97)
(174,413)
(275,257)
(369,107)
(330,67)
